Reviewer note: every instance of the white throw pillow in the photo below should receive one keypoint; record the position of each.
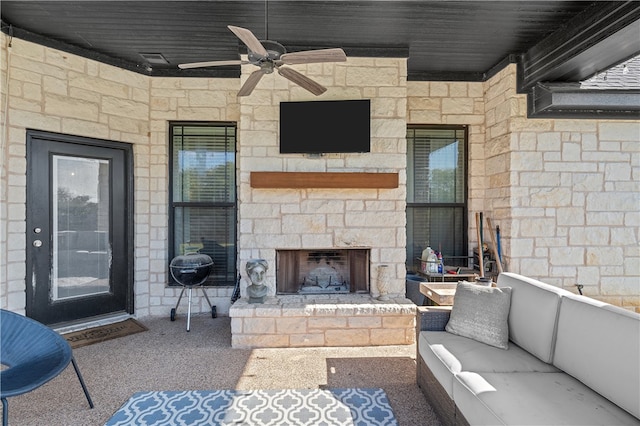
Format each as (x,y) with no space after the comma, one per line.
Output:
(481,313)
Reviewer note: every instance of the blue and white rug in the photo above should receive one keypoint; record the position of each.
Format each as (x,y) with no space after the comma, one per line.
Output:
(288,407)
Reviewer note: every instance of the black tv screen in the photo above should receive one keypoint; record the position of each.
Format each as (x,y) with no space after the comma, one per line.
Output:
(320,127)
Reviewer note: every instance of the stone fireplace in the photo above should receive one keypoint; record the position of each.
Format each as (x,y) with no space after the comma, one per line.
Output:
(322,271)
(295,208)
(333,201)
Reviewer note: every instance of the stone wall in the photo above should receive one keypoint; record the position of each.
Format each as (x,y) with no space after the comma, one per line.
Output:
(173,99)
(54,91)
(325,320)
(306,218)
(456,103)
(58,92)
(564,192)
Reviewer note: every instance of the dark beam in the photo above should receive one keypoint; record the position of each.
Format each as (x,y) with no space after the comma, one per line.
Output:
(461,75)
(548,100)
(138,67)
(445,76)
(596,39)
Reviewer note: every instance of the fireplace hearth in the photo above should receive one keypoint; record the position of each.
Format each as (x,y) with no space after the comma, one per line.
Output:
(322,271)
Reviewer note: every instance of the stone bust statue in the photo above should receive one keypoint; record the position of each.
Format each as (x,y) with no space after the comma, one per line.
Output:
(257,271)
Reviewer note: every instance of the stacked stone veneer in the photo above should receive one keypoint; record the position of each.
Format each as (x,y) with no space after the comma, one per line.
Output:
(59,92)
(564,192)
(316,218)
(348,320)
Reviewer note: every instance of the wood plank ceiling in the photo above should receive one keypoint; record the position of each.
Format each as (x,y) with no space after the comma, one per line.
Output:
(559,41)
(457,40)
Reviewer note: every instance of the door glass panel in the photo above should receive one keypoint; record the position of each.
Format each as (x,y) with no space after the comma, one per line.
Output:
(81,249)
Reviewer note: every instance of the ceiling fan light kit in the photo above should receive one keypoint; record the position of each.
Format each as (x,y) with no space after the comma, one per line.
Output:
(270,55)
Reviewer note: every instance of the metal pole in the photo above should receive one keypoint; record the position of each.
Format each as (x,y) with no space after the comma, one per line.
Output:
(189,312)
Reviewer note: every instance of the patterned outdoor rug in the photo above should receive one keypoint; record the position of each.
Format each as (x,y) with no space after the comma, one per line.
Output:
(317,407)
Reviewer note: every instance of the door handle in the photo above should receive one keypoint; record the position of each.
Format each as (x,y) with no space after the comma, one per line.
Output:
(37,243)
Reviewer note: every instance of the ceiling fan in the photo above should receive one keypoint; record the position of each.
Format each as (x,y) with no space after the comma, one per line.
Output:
(269,56)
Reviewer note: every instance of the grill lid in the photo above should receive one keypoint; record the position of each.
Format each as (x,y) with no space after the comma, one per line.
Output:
(191,269)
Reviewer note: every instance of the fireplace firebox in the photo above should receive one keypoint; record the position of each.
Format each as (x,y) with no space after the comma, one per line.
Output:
(322,271)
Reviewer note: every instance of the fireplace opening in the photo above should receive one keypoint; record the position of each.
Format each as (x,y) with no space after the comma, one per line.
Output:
(322,271)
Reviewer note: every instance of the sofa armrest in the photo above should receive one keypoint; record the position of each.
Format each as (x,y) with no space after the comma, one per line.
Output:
(432,318)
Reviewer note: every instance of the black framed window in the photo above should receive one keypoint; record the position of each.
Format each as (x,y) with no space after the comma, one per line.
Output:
(437,193)
(203,209)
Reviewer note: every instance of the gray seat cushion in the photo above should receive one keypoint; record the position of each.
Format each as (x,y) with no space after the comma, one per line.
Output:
(533,399)
(447,354)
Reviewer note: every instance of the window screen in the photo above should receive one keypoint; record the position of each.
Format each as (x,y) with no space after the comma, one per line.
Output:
(203,195)
(437,193)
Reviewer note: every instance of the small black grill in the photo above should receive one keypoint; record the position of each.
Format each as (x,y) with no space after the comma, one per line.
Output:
(191,270)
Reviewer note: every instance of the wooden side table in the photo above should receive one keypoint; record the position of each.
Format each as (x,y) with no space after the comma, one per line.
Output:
(439,293)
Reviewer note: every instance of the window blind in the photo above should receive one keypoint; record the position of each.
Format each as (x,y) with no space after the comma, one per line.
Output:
(436,192)
(203,195)
(436,167)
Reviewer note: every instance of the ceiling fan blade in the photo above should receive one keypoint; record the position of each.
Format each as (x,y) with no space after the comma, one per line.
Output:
(251,83)
(249,39)
(312,56)
(302,81)
(209,64)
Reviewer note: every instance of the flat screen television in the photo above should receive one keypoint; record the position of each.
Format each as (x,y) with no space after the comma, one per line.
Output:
(320,127)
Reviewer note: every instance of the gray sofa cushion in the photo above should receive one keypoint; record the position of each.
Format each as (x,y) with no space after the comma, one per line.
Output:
(437,362)
(446,354)
(481,313)
(534,309)
(599,344)
(533,399)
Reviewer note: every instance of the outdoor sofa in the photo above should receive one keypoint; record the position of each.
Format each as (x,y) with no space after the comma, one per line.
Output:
(571,360)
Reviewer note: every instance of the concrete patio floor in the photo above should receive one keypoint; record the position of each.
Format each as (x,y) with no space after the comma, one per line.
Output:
(166,357)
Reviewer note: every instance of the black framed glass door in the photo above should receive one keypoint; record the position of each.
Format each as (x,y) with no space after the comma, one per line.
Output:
(79,228)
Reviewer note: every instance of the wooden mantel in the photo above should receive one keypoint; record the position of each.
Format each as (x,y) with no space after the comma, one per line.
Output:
(324,180)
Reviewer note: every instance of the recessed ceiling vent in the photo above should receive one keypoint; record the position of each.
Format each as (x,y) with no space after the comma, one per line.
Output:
(154,58)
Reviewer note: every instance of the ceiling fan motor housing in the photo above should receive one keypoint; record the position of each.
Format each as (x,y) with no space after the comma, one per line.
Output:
(273,48)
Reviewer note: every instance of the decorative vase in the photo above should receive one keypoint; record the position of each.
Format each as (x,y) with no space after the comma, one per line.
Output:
(382,282)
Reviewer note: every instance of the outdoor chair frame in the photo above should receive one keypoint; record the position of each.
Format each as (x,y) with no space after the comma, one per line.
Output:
(34,354)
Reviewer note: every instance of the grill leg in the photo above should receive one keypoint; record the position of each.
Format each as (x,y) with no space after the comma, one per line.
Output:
(206,297)
(180,298)
(189,311)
